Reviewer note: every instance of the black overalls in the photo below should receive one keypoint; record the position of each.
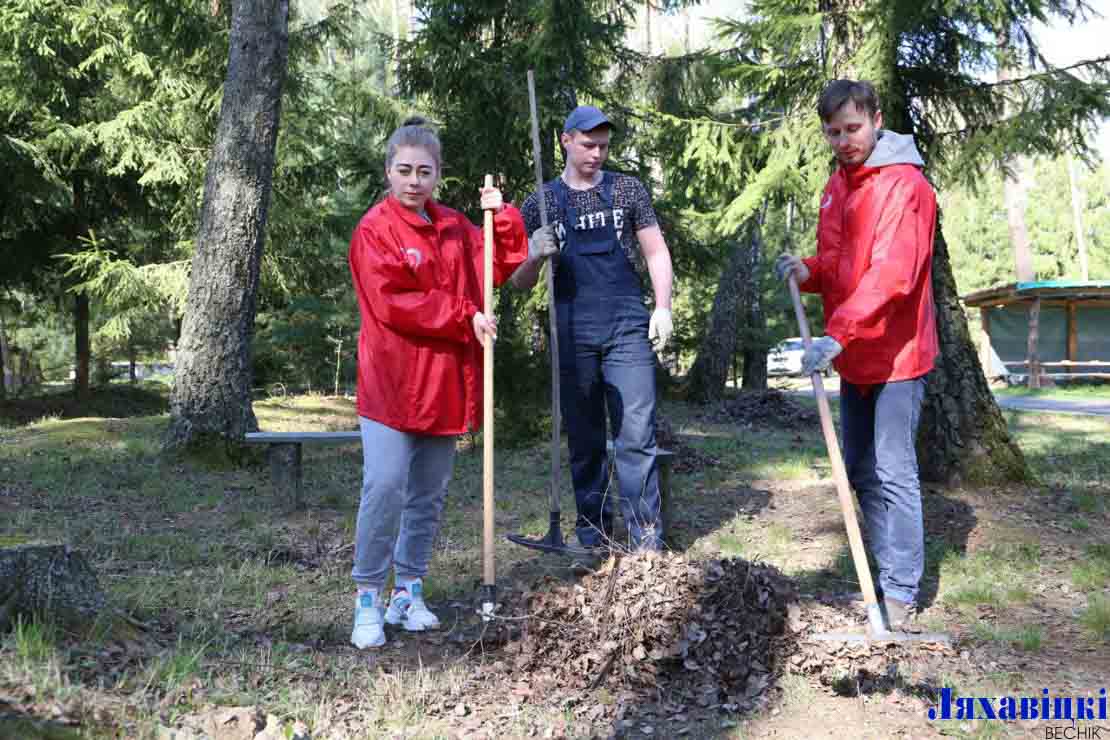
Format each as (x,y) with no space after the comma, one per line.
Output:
(605,359)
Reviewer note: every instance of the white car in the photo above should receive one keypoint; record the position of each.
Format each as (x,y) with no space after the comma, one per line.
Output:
(786,358)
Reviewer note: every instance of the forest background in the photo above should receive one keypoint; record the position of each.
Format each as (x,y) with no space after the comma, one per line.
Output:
(111,110)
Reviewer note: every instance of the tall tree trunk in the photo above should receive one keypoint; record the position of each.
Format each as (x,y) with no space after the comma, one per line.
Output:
(707,378)
(212,388)
(81,344)
(963,437)
(1077,218)
(1015,188)
(4,359)
(1016,183)
(755,348)
(82,351)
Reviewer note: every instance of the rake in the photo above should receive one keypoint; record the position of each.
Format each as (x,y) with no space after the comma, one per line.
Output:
(553,541)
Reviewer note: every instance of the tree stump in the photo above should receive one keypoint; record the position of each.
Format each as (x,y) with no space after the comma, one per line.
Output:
(50,582)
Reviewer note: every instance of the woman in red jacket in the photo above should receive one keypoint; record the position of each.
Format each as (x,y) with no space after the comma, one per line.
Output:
(416,267)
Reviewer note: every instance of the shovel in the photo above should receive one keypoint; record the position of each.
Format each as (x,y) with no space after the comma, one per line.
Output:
(877,629)
(553,541)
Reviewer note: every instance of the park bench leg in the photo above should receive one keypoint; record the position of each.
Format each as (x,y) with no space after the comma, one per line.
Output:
(285,472)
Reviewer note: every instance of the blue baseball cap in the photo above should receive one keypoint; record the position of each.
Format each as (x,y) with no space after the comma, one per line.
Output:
(586,118)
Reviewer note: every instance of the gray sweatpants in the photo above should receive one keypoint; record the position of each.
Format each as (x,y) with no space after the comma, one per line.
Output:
(404,485)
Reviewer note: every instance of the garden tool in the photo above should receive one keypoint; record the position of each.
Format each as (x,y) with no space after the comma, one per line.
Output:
(489,582)
(553,541)
(877,629)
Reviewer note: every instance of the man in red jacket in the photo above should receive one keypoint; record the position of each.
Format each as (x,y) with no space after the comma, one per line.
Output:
(873,269)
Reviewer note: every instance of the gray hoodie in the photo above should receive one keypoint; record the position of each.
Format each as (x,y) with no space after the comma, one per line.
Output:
(892,148)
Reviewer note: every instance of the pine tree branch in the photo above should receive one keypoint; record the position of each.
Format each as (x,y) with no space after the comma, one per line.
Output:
(1018,80)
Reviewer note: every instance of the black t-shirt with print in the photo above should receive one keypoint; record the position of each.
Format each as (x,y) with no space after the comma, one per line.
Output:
(631,202)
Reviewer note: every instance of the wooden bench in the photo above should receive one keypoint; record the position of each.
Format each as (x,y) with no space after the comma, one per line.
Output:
(286,456)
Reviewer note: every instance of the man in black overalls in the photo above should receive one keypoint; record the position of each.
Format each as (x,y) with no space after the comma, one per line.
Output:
(598,219)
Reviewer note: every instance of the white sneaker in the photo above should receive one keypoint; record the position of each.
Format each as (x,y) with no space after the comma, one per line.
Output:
(407,608)
(369,628)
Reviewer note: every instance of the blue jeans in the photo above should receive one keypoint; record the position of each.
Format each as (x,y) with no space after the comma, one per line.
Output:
(605,360)
(879,431)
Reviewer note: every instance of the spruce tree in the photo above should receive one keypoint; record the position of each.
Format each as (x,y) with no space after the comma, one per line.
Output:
(55,91)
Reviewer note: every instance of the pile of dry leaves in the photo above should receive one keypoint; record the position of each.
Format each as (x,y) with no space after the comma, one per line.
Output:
(768,407)
(695,634)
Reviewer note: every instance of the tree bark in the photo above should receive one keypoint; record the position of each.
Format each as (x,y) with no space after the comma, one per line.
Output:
(1032,349)
(1015,186)
(963,436)
(707,378)
(1077,218)
(50,582)
(212,388)
(4,360)
(755,348)
(82,350)
(1014,189)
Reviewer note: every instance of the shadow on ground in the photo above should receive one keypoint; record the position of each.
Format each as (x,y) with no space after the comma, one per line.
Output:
(948,525)
(113,402)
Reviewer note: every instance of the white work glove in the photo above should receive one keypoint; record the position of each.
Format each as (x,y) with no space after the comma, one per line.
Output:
(484,327)
(660,328)
(542,244)
(491,199)
(819,354)
(787,264)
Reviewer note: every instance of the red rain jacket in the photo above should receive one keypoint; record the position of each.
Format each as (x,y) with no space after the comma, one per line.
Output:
(873,267)
(419,285)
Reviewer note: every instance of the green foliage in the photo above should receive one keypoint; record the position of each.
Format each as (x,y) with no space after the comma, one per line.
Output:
(467,60)
(111,105)
(113,135)
(979,243)
(299,344)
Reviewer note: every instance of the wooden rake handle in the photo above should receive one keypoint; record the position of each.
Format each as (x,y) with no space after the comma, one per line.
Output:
(488,572)
(840,475)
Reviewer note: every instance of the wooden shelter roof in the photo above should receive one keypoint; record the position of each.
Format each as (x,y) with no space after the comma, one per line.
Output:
(1072,290)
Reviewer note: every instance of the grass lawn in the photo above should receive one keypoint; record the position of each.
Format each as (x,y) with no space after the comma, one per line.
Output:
(246,605)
